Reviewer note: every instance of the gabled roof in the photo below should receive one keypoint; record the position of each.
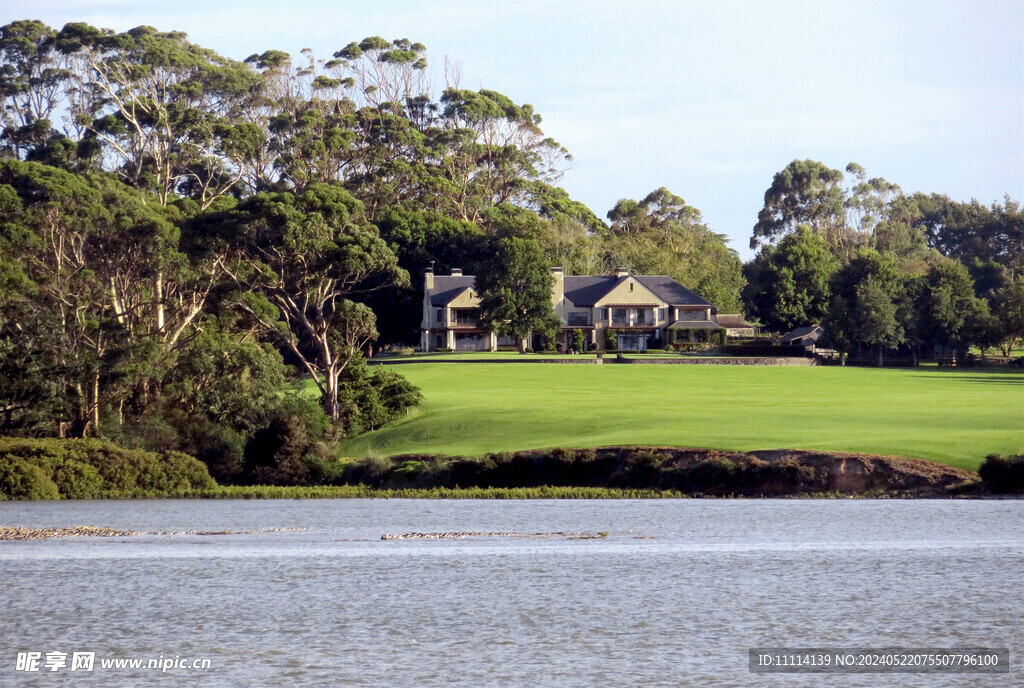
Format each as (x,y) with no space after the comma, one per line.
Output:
(670,291)
(695,325)
(731,320)
(448,287)
(584,290)
(801,332)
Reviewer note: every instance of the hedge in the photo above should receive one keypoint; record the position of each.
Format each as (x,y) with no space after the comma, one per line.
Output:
(93,469)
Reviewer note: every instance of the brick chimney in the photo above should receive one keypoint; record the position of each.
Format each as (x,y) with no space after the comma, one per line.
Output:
(428,279)
(456,272)
(621,271)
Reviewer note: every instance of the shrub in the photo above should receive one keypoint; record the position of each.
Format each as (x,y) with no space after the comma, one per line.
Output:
(1003,474)
(579,340)
(640,468)
(20,479)
(408,473)
(77,480)
(369,471)
(276,455)
(611,340)
(712,476)
(84,469)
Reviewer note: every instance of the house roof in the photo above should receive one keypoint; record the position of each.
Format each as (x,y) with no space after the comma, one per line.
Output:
(731,320)
(582,290)
(801,332)
(586,290)
(695,325)
(448,287)
(670,291)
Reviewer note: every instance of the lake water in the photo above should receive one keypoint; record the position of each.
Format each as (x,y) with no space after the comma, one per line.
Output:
(675,595)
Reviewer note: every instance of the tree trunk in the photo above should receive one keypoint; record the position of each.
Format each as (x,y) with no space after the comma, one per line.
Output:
(879,356)
(158,300)
(330,395)
(95,402)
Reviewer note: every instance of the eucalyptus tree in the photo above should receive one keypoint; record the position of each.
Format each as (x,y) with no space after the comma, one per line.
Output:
(808,193)
(869,200)
(969,231)
(492,146)
(31,85)
(83,249)
(163,109)
(296,259)
(663,235)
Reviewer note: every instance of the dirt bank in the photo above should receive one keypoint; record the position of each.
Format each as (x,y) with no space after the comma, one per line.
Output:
(693,471)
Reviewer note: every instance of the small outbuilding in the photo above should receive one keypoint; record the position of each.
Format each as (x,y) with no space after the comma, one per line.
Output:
(806,337)
(735,325)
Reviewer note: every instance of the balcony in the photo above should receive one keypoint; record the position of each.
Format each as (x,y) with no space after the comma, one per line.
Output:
(464,318)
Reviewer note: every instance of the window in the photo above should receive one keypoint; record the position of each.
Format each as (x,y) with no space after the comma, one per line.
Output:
(620,316)
(440,316)
(662,314)
(631,286)
(579,319)
(642,316)
(603,313)
(465,316)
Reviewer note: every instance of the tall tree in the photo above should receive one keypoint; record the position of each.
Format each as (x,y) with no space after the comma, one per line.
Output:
(162,108)
(807,193)
(950,313)
(72,243)
(867,304)
(876,317)
(1008,306)
(663,235)
(788,284)
(31,81)
(971,231)
(515,291)
(297,260)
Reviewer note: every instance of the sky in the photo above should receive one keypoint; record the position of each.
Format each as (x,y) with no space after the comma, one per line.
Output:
(708,99)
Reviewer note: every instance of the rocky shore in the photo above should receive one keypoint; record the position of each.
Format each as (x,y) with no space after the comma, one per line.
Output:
(18,533)
(462,535)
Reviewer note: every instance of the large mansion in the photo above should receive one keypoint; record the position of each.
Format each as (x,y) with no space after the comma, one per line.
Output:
(642,311)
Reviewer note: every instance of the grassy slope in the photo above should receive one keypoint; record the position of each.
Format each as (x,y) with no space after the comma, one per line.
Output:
(955,417)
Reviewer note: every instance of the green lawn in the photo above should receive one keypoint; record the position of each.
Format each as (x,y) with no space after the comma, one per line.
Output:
(955,417)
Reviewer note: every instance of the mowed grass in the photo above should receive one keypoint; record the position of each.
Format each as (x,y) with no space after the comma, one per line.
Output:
(953,417)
